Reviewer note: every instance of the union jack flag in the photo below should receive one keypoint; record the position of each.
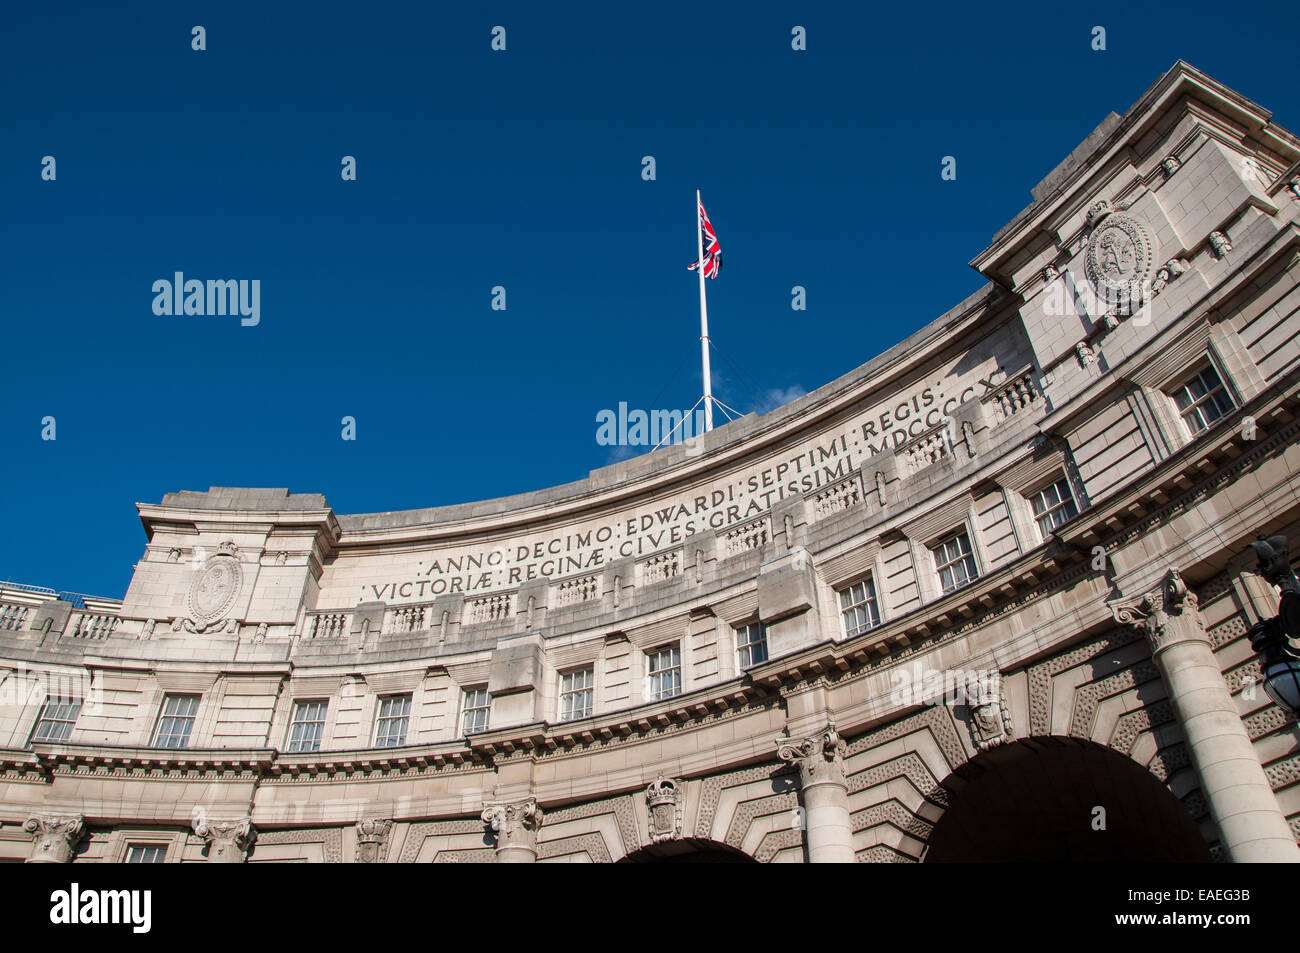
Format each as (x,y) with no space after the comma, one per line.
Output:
(712,250)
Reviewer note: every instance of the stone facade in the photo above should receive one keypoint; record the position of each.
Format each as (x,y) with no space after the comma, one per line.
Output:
(1021,494)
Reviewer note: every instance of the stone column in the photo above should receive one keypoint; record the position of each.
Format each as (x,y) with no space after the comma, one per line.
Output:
(516,827)
(825,795)
(228,840)
(372,835)
(1240,798)
(54,837)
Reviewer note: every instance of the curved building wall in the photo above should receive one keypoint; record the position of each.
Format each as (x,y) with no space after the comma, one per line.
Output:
(789,637)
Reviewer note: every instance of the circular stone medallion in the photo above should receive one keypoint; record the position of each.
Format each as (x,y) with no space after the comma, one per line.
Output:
(214,589)
(1118,262)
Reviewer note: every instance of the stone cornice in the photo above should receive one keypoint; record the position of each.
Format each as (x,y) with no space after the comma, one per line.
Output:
(1180,80)
(728,446)
(112,758)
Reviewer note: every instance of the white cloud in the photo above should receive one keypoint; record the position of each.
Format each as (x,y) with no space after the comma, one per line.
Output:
(778,397)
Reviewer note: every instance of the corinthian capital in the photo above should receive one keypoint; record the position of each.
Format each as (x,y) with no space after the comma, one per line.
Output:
(1166,614)
(820,757)
(516,824)
(54,837)
(228,840)
(372,832)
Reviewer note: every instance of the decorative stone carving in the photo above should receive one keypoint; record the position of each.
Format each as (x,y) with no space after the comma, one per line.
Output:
(1170,165)
(1097,211)
(228,840)
(1085,354)
(990,722)
(146,631)
(261,632)
(1118,261)
(1167,273)
(664,799)
(213,592)
(820,757)
(1050,274)
(372,838)
(515,824)
(54,837)
(1294,185)
(1162,612)
(1220,243)
(281,558)
(173,555)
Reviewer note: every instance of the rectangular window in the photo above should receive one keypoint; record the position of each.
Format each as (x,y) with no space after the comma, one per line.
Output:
(308,726)
(145,854)
(175,721)
(665,669)
(1053,505)
(54,723)
(858,607)
(1202,400)
(955,562)
(477,708)
(394,716)
(751,644)
(577,692)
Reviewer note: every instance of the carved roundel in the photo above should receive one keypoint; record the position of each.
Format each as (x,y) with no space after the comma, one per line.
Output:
(214,589)
(1118,261)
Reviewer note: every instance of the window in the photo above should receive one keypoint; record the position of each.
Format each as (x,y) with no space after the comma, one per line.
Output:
(175,721)
(1202,400)
(308,726)
(394,716)
(858,607)
(576,694)
(145,853)
(665,668)
(751,644)
(1053,505)
(955,562)
(54,723)
(478,706)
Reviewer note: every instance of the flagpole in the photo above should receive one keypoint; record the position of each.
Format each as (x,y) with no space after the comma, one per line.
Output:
(704,316)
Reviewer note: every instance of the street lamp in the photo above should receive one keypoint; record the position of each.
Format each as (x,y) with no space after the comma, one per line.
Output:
(1271,638)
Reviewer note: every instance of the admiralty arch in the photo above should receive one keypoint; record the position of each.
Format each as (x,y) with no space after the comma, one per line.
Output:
(984,598)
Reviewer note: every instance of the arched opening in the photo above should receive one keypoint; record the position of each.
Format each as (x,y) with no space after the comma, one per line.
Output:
(690,850)
(1038,800)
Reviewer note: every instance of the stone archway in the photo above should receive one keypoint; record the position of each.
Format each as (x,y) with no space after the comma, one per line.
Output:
(1035,800)
(689,850)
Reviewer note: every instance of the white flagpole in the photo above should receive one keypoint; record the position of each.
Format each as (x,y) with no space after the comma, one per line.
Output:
(704,314)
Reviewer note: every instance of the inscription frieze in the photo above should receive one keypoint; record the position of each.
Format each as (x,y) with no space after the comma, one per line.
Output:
(698,513)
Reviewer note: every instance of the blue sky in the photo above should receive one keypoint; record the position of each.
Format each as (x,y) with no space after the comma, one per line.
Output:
(476,169)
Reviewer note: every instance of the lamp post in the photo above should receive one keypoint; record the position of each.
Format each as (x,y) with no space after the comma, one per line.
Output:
(1271,638)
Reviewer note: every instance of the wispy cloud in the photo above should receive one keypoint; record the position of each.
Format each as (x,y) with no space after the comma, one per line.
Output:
(778,397)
